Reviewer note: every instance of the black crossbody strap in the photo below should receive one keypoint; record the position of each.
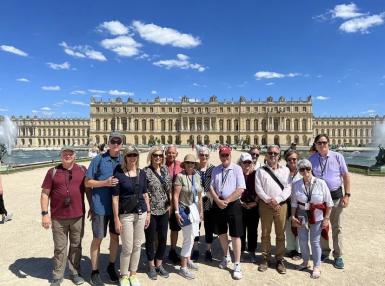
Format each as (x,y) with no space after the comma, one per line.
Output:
(274,177)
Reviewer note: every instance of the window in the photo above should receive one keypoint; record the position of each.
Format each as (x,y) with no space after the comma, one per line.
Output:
(304,108)
(236,109)
(248,109)
(221,109)
(228,109)
(136,109)
(97,109)
(105,109)
(256,108)
(287,108)
(177,110)
(143,109)
(151,109)
(296,109)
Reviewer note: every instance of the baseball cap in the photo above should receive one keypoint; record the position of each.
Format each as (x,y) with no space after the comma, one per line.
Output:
(245,157)
(224,150)
(67,148)
(115,134)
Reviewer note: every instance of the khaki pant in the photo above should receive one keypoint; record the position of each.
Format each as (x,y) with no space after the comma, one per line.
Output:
(336,217)
(268,216)
(132,237)
(62,229)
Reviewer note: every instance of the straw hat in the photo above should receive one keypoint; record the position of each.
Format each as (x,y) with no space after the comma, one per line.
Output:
(189,158)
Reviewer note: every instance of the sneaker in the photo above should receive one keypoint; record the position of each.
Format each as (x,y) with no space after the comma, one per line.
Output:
(224,262)
(77,279)
(280,266)
(56,282)
(186,273)
(237,272)
(195,255)
(191,265)
(173,256)
(112,273)
(8,217)
(253,258)
(339,263)
(152,273)
(262,267)
(124,281)
(162,272)
(134,281)
(96,280)
(208,256)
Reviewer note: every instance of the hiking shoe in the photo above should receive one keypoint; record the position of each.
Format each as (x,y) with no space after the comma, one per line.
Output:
(96,280)
(152,273)
(8,217)
(253,258)
(208,256)
(173,256)
(56,282)
(223,264)
(124,281)
(191,265)
(162,272)
(112,273)
(237,272)
(195,255)
(262,267)
(186,273)
(134,281)
(280,266)
(339,263)
(77,279)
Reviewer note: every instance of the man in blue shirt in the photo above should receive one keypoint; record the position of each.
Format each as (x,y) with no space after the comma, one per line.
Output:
(100,178)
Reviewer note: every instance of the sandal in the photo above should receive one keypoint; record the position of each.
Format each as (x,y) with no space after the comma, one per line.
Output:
(316,273)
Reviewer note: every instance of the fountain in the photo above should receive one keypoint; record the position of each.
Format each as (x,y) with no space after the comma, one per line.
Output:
(379,138)
(8,134)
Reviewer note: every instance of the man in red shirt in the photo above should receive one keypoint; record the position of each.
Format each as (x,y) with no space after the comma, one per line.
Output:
(64,188)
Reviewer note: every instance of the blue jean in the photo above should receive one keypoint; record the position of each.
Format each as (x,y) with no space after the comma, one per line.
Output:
(315,235)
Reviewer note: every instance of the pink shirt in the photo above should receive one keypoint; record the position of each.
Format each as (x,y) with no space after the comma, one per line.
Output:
(174,169)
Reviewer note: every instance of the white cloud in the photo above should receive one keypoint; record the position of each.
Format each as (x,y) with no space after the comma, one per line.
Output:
(116,92)
(13,50)
(269,75)
(115,28)
(181,62)
(83,52)
(369,112)
(46,108)
(194,100)
(63,66)
(50,88)
(322,97)
(124,46)
(154,92)
(97,91)
(362,24)
(345,11)
(22,79)
(78,92)
(75,102)
(199,85)
(165,36)
(270,83)
(3,109)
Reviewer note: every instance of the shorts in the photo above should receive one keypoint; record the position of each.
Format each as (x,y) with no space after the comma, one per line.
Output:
(100,223)
(174,226)
(229,218)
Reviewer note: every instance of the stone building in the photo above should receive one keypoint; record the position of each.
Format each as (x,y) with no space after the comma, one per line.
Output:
(189,122)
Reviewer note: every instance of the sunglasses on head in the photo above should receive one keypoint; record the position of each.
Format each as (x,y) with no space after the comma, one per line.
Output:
(254,154)
(132,155)
(116,141)
(272,153)
(303,169)
(204,155)
(157,155)
(246,162)
(322,142)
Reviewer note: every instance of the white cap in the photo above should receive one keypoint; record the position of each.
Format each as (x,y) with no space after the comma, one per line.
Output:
(245,157)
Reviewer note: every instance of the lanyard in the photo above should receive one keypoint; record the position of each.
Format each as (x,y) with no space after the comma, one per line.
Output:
(224,178)
(322,166)
(308,192)
(292,177)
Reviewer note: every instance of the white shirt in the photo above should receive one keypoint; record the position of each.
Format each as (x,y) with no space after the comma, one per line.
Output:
(319,194)
(226,181)
(266,188)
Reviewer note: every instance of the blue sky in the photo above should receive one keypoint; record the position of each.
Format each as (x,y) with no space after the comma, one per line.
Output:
(54,55)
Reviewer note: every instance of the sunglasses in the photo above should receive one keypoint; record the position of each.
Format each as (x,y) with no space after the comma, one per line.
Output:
(303,169)
(115,141)
(292,159)
(157,155)
(204,155)
(224,155)
(132,155)
(65,154)
(246,162)
(189,163)
(254,155)
(322,142)
(272,154)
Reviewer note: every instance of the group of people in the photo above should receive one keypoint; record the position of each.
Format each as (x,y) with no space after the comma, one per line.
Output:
(140,205)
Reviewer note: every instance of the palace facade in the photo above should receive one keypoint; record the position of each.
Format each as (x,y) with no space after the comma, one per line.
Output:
(187,122)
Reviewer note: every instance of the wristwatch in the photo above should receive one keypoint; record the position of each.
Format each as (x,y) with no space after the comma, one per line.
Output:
(348,194)
(43,213)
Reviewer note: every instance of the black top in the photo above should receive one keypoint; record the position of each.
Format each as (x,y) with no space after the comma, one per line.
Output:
(249,195)
(126,187)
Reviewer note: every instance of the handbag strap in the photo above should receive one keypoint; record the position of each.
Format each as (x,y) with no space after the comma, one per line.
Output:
(274,177)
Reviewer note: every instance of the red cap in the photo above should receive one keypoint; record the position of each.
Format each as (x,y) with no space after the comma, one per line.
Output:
(224,150)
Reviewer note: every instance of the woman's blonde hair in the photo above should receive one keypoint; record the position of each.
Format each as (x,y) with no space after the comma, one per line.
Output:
(130,149)
(153,150)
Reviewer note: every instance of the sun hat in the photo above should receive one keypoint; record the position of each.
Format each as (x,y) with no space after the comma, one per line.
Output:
(189,158)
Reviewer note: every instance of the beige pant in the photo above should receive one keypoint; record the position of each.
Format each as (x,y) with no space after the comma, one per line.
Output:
(132,237)
(336,217)
(268,216)
(62,229)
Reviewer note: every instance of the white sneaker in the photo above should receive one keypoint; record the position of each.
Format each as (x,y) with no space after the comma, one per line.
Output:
(223,264)
(8,217)
(237,272)
(191,265)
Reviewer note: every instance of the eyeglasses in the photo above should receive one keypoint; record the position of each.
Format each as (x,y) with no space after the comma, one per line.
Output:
(157,155)
(322,142)
(65,154)
(115,141)
(292,159)
(189,163)
(132,155)
(272,154)
(246,162)
(224,155)
(254,155)
(303,169)
(204,155)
